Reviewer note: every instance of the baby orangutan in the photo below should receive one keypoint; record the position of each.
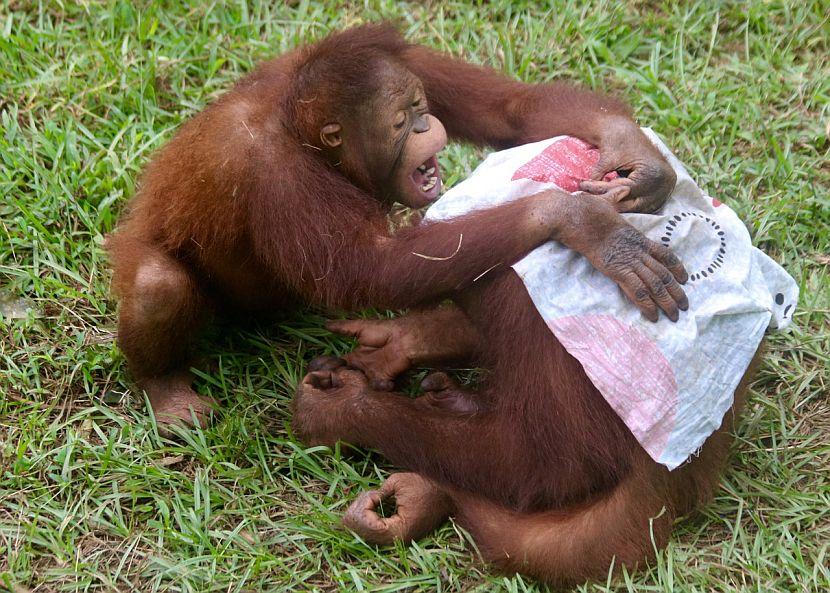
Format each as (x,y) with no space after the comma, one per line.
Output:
(535,464)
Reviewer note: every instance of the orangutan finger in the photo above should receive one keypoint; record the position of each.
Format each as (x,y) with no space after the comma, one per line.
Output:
(638,293)
(670,282)
(659,292)
(603,187)
(346,327)
(667,258)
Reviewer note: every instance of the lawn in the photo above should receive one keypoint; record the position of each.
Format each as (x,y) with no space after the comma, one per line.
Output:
(93,499)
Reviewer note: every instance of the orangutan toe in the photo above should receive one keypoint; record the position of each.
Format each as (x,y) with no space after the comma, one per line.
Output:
(174,402)
(185,408)
(322,380)
(363,518)
(326,363)
(449,400)
(438,381)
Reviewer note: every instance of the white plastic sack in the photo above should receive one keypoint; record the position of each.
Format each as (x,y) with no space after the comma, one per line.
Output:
(671,383)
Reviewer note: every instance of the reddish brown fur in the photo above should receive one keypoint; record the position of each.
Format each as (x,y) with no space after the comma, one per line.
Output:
(239,211)
(542,472)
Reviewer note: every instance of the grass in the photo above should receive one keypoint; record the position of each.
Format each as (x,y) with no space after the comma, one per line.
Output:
(93,499)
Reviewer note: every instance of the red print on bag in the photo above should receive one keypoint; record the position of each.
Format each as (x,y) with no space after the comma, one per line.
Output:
(645,394)
(565,162)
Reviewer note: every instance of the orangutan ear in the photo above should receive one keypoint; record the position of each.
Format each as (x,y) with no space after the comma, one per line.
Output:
(330,135)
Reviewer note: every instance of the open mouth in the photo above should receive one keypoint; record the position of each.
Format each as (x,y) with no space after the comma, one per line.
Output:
(427,178)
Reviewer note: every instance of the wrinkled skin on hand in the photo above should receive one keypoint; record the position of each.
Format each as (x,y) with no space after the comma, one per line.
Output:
(384,349)
(420,507)
(626,149)
(388,347)
(648,273)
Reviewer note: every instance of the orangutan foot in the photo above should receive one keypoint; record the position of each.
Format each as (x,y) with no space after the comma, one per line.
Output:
(175,402)
(419,507)
(324,401)
(441,392)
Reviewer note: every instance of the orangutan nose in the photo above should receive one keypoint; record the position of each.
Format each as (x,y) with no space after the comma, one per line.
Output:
(421,124)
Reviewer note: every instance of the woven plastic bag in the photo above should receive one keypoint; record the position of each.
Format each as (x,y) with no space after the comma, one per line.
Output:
(671,383)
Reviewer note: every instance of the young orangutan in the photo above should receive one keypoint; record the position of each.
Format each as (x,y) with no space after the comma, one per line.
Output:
(276,196)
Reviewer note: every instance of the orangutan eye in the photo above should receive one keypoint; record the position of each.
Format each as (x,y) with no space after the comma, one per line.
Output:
(400,120)
(417,102)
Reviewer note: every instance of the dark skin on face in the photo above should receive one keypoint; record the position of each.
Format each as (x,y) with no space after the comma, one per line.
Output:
(394,137)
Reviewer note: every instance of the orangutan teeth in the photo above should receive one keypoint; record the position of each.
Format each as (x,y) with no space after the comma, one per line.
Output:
(422,168)
(430,171)
(429,184)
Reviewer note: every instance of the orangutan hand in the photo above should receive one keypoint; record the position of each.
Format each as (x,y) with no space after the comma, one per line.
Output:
(648,273)
(624,148)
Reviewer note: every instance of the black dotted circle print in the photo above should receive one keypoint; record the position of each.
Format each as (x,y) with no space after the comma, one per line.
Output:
(717,262)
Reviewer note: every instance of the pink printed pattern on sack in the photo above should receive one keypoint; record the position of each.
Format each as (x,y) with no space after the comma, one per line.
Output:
(565,162)
(630,371)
